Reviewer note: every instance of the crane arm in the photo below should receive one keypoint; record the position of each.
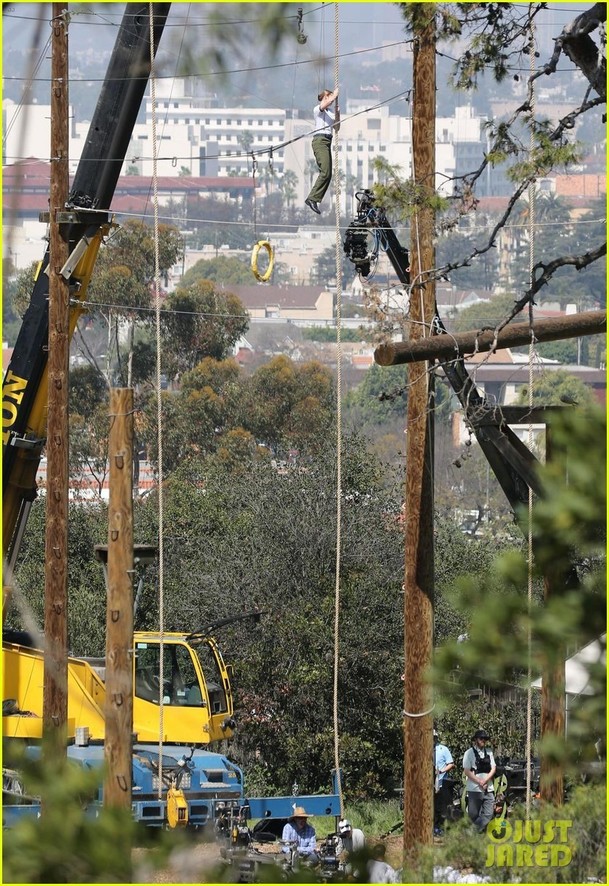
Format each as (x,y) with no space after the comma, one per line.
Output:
(83,226)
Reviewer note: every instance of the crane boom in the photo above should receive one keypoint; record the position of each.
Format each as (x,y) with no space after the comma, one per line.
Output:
(86,221)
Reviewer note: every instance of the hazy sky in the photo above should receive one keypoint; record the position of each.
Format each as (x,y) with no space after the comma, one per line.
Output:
(362,26)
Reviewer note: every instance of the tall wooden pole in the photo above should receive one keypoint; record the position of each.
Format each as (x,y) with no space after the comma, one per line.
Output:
(553,698)
(55,697)
(419,561)
(119,624)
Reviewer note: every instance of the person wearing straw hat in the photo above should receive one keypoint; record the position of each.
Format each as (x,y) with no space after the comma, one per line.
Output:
(298,830)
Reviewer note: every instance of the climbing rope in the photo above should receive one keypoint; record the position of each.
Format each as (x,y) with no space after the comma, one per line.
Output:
(339,278)
(157,294)
(530,439)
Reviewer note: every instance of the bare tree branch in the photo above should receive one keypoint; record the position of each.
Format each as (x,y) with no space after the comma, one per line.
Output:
(575,42)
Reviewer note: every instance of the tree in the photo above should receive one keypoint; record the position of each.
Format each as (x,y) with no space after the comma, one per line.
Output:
(200,321)
(288,185)
(568,526)
(323,271)
(556,387)
(496,35)
(122,282)
(277,399)
(222,269)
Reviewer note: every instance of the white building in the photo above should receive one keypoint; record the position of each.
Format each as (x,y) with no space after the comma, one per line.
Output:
(194,135)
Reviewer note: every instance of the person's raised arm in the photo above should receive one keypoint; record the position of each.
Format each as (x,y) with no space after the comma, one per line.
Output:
(328,99)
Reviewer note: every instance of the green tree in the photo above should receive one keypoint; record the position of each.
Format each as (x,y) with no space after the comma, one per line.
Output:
(279,398)
(200,321)
(568,526)
(323,271)
(121,284)
(288,184)
(222,269)
(556,387)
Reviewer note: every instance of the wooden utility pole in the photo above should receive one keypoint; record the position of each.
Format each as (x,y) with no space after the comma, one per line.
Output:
(55,695)
(419,561)
(119,623)
(447,347)
(553,698)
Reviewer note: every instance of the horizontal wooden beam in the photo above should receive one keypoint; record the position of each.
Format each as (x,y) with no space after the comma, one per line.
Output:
(445,347)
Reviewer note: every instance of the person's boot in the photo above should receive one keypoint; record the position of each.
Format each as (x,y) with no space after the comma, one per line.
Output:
(313,205)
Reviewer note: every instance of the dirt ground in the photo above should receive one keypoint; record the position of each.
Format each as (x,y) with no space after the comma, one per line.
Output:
(195,862)
(192,863)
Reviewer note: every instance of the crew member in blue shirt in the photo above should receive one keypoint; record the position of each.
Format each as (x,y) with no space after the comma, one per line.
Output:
(298,830)
(443,762)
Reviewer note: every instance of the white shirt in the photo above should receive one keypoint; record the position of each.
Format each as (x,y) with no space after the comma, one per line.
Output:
(323,121)
(352,843)
(381,872)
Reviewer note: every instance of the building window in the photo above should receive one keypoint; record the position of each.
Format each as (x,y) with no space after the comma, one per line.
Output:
(374,124)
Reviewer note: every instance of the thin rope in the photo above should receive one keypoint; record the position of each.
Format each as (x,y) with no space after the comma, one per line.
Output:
(157,293)
(530,439)
(339,278)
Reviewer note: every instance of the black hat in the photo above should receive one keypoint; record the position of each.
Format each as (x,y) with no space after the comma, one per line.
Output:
(481,733)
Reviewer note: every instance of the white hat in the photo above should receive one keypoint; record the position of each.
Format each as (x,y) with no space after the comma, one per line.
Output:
(344,825)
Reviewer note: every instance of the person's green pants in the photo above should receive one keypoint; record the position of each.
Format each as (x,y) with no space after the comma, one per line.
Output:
(322,151)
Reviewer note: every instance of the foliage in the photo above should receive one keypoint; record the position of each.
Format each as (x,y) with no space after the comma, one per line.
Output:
(22,288)
(88,390)
(222,269)
(65,845)
(286,405)
(11,323)
(200,321)
(326,333)
(323,271)
(125,266)
(88,526)
(555,387)
(382,395)
(568,536)
(282,406)
(484,314)
(585,808)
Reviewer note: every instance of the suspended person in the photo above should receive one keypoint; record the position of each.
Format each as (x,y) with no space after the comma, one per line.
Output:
(326,120)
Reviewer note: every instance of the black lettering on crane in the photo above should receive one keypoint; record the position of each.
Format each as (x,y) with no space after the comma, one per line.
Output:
(12,395)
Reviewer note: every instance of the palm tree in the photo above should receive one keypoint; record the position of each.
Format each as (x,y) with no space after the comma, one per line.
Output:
(288,186)
(312,171)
